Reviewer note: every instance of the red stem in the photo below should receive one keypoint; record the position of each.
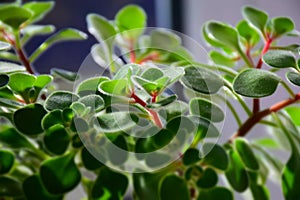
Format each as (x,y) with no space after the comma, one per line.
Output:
(154,115)
(256,106)
(151,56)
(255,118)
(153,99)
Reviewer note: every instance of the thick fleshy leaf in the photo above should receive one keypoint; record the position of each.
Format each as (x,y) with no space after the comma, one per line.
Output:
(34,30)
(151,87)
(168,191)
(117,158)
(65,74)
(206,109)
(248,33)
(215,156)
(109,184)
(4,79)
(131,20)
(57,139)
(164,40)
(34,189)
(221,59)
(38,9)
(280,59)
(256,83)
(6,161)
(115,87)
(205,128)
(7,68)
(236,174)
(28,120)
(246,154)
(11,138)
(194,171)
(10,187)
(224,34)
(60,100)
(89,161)
(117,121)
(293,77)
(282,25)
(90,86)
(4,46)
(63,35)
(208,179)
(257,18)
(258,190)
(191,156)
(201,80)
(22,84)
(95,102)
(52,118)
(62,179)
(294,113)
(14,16)
(215,193)
(132,69)
(101,28)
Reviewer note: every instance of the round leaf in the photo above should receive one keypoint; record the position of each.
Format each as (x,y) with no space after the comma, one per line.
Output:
(174,187)
(294,77)
(95,102)
(164,40)
(208,179)
(248,33)
(206,109)
(7,159)
(255,83)
(215,156)
(246,154)
(89,161)
(52,118)
(60,174)
(202,80)
(38,9)
(257,18)
(57,139)
(11,138)
(115,87)
(10,187)
(90,86)
(191,156)
(215,193)
(280,59)
(60,100)
(282,25)
(28,120)
(14,16)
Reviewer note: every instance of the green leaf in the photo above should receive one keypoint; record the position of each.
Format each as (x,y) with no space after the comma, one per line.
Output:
(206,109)
(215,193)
(224,34)
(201,80)
(90,86)
(205,128)
(4,79)
(236,174)
(257,18)
(34,189)
(209,38)
(62,179)
(57,139)
(215,156)
(208,179)
(60,100)
(7,68)
(294,113)
(10,187)
(28,120)
(131,21)
(293,77)
(38,9)
(11,138)
(116,157)
(40,83)
(64,74)
(221,59)
(14,16)
(256,83)
(191,156)
(194,171)
(122,73)
(248,33)
(115,87)
(174,187)
(101,28)
(151,87)
(110,183)
(4,46)
(117,121)
(7,161)
(52,118)
(152,74)
(164,40)
(280,59)
(95,102)
(163,102)
(34,30)
(21,83)
(63,35)
(89,161)
(246,154)
(282,25)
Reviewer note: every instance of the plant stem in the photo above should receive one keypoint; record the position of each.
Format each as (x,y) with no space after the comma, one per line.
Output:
(256,105)
(256,117)
(131,51)
(154,115)
(152,56)
(288,89)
